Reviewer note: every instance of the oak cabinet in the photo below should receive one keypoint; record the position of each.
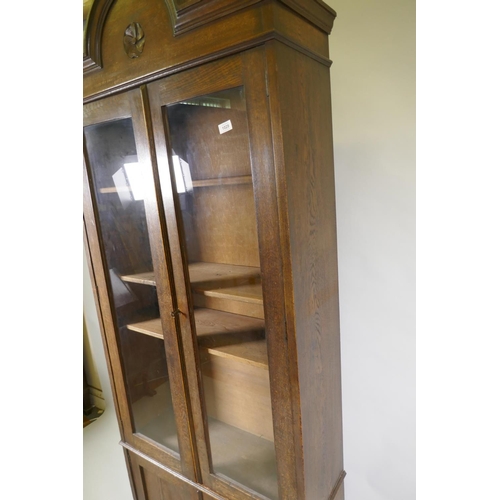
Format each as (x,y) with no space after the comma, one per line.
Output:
(209,214)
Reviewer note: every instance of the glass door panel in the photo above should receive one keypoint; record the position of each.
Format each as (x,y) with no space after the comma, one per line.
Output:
(117,180)
(210,158)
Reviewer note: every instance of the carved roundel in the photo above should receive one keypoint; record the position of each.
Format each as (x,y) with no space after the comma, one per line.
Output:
(133,40)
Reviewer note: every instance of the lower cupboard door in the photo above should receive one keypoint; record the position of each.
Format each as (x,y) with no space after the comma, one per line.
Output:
(153,483)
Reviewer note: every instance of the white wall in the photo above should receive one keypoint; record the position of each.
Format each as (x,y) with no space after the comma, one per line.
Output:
(373,91)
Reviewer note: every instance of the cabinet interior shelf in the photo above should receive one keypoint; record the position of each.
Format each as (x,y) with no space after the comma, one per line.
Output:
(235,289)
(206,275)
(146,278)
(113,189)
(218,181)
(223,181)
(221,334)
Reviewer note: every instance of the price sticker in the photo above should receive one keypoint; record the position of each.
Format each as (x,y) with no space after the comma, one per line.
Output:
(225,127)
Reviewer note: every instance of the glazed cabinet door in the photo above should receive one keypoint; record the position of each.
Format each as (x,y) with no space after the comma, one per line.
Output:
(214,154)
(126,234)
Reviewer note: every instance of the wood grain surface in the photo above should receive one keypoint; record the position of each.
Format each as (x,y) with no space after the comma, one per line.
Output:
(239,273)
(307,155)
(166,54)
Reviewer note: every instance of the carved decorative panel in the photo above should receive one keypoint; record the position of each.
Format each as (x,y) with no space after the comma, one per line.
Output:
(189,14)
(133,40)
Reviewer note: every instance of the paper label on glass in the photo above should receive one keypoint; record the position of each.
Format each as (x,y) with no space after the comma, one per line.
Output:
(225,127)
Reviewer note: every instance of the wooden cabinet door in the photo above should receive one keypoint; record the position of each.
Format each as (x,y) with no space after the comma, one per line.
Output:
(215,160)
(153,483)
(126,234)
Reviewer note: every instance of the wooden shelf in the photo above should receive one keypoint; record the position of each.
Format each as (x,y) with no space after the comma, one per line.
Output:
(147,278)
(205,275)
(251,293)
(234,289)
(223,181)
(232,336)
(113,189)
(218,181)
(221,334)
(150,327)
(252,352)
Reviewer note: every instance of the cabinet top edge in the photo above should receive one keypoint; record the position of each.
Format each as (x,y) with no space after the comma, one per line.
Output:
(175,38)
(315,11)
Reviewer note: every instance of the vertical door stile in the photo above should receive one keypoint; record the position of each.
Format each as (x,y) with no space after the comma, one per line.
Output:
(169,305)
(187,322)
(105,305)
(125,240)
(182,312)
(270,198)
(265,188)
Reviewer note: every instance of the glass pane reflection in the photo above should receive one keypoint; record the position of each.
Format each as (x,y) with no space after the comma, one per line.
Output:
(117,182)
(213,177)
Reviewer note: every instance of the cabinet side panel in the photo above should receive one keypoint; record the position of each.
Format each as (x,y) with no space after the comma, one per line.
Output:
(303,98)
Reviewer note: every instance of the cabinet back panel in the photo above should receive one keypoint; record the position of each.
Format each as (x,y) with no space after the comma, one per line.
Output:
(238,394)
(219,213)
(221,236)
(196,136)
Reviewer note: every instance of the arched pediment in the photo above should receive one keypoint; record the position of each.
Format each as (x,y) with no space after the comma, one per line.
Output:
(92,34)
(186,15)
